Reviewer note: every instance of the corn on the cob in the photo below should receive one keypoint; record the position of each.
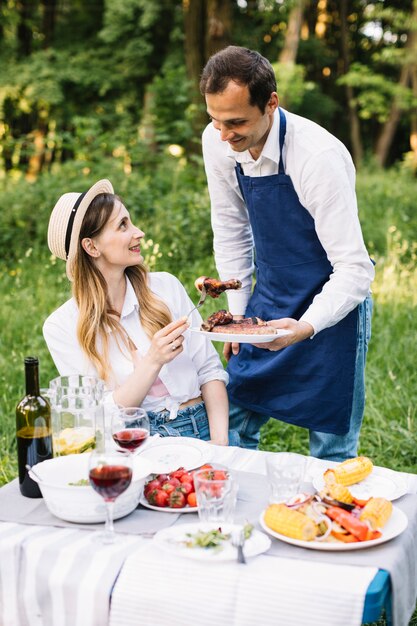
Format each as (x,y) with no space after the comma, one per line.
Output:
(349,472)
(377,511)
(290,523)
(338,492)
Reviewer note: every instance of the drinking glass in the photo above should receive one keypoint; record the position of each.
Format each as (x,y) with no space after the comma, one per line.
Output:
(110,474)
(285,471)
(77,413)
(129,427)
(216,492)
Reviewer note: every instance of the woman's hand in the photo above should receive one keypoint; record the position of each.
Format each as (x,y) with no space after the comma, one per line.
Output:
(167,343)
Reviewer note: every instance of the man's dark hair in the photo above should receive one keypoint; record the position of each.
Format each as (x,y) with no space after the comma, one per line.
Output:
(243,66)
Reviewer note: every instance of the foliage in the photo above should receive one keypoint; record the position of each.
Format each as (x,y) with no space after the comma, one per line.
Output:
(76,89)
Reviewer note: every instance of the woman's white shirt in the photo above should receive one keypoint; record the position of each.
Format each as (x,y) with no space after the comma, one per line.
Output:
(183,377)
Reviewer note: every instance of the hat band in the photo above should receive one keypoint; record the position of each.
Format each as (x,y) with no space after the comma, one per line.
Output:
(71,224)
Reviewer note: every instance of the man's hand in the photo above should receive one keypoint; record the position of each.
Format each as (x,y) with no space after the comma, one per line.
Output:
(299,332)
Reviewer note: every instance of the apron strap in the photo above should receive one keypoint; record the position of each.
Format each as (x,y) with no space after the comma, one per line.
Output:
(282,131)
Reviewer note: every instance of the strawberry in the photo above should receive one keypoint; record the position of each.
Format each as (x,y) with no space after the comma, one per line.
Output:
(177,499)
(158,497)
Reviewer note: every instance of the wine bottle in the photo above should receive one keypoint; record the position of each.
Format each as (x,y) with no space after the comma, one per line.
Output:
(33,429)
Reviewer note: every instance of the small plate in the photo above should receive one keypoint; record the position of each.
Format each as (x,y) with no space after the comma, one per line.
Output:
(166,509)
(170,453)
(169,539)
(381,483)
(243,338)
(397,523)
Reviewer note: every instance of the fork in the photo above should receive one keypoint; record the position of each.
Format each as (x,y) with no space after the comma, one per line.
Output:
(200,302)
(238,541)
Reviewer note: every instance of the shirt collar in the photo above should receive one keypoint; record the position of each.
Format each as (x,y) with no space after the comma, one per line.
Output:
(130,302)
(270,149)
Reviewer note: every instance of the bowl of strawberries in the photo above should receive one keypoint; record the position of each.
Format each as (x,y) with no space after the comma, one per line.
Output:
(173,492)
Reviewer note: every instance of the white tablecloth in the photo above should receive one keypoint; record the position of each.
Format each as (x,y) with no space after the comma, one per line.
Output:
(155,588)
(60,577)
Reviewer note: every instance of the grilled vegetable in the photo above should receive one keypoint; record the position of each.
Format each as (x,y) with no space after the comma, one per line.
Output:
(352,524)
(290,522)
(377,512)
(338,492)
(349,472)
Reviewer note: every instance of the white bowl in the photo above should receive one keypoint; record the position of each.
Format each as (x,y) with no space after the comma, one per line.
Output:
(82,504)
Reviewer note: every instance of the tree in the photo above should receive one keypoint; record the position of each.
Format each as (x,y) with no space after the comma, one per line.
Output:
(207,29)
(355,131)
(407,78)
(292,37)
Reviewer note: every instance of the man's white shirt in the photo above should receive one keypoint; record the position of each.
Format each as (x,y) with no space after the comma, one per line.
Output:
(323,176)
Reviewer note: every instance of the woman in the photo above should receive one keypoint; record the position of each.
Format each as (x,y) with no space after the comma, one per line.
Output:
(119,323)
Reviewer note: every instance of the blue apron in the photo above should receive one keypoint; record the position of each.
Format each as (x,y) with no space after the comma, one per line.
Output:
(309,384)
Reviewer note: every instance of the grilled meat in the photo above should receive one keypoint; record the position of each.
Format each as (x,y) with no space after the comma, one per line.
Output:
(214,287)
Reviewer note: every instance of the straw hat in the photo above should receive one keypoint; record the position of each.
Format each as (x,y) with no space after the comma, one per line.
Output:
(66,220)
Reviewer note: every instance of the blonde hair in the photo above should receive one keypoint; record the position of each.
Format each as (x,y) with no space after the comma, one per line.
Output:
(96,317)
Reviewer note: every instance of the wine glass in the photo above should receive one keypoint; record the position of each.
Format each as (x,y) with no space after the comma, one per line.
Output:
(130,427)
(110,474)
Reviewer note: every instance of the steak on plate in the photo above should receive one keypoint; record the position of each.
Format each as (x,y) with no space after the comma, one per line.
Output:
(222,321)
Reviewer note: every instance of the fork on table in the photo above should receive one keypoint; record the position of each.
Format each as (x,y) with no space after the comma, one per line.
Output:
(200,302)
(238,541)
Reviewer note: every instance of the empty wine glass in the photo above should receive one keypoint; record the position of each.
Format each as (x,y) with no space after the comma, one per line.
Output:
(130,427)
(110,474)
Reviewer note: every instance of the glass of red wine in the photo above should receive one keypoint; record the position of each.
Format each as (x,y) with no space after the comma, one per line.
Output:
(110,474)
(130,427)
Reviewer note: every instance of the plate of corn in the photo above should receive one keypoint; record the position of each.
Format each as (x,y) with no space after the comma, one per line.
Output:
(363,479)
(320,526)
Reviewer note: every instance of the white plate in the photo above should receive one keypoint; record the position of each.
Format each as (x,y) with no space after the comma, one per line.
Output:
(234,338)
(381,483)
(170,453)
(397,523)
(166,509)
(169,539)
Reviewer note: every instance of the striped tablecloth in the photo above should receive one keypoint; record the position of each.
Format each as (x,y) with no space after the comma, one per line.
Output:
(157,589)
(52,576)
(57,576)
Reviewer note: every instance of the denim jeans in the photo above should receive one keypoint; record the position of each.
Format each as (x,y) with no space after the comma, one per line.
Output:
(247,423)
(190,422)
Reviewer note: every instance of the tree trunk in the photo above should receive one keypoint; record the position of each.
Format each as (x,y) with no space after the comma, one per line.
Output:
(207,26)
(413,131)
(292,36)
(48,21)
(218,26)
(194,28)
(388,132)
(354,126)
(146,128)
(26,9)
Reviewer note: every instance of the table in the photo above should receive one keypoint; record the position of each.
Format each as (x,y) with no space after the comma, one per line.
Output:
(50,575)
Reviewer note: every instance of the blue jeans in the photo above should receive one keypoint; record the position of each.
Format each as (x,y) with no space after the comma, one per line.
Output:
(190,422)
(247,423)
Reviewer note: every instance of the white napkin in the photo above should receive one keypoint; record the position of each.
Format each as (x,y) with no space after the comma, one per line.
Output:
(157,588)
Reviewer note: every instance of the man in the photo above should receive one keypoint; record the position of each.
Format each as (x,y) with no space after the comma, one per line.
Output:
(282,186)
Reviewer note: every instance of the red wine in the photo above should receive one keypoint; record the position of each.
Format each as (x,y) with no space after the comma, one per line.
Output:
(110,480)
(131,438)
(33,429)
